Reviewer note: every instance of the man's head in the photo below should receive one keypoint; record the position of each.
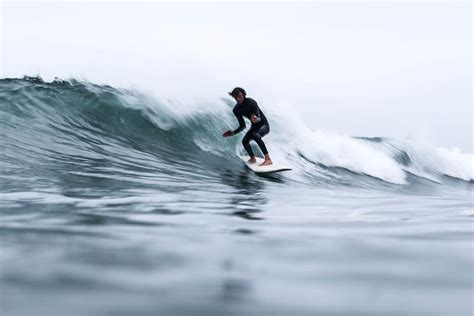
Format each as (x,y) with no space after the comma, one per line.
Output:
(238,94)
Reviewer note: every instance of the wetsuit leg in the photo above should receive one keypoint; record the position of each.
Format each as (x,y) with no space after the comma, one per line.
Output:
(246,142)
(256,135)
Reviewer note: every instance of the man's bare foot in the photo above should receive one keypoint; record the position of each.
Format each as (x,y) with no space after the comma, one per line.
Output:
(266,162)
(252,160)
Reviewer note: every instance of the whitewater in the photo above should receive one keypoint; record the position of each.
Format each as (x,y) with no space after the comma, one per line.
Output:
(117,202)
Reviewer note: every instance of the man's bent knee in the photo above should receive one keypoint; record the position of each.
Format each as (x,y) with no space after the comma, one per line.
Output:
(256,136)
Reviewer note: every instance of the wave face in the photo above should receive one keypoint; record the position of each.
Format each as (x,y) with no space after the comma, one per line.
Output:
(53,130)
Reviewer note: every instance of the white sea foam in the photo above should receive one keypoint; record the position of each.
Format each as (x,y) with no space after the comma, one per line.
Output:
(375,158)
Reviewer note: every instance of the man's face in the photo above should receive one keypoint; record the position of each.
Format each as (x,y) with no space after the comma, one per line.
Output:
(239,98)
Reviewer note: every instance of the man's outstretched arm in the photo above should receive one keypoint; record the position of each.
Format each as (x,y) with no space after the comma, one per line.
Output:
(240,118)
(241,127)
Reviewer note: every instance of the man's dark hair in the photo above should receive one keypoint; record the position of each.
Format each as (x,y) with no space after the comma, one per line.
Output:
(236,91)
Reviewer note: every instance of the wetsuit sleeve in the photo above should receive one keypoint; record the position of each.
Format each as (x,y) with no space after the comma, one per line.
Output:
(254,109)
(240,118)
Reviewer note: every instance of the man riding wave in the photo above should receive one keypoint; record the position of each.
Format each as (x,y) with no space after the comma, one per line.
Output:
(249,108)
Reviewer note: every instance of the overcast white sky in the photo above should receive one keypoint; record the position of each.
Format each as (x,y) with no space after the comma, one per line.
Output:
(365,69)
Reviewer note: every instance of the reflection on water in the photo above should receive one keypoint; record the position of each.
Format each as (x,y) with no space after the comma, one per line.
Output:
(249,197)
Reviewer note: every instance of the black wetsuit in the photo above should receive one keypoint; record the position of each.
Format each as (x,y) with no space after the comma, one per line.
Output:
(257,130)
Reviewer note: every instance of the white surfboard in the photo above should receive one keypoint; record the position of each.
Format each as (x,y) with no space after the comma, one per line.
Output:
(264,169)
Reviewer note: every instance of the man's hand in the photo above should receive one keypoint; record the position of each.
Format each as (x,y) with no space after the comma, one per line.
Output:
(228,133)
(254,119)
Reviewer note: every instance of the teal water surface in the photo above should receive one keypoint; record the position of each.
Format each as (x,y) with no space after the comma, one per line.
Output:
(114,203)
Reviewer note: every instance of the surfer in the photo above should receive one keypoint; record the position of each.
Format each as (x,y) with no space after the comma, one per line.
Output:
(249,108)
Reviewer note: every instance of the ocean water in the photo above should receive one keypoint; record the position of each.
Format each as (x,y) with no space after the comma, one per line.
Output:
(114,202)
